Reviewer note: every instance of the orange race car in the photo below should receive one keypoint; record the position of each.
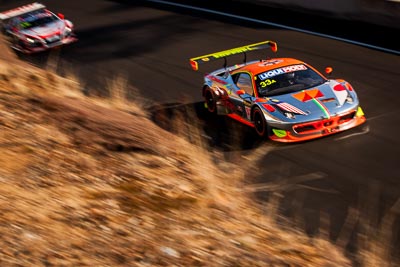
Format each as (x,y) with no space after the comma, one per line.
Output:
(285,99)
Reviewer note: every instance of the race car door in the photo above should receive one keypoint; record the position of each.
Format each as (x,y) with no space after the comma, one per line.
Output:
(242,103)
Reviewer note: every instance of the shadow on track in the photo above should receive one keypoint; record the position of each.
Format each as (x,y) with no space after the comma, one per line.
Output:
(192,120)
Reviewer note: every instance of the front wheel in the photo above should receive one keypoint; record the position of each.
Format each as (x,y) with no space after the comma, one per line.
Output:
(16,42)
(260,124)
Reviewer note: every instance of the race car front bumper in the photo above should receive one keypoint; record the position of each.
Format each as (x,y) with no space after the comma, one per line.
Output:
(43,46)
(316,129)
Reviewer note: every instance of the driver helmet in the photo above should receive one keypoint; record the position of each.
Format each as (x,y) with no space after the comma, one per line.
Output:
(290,75)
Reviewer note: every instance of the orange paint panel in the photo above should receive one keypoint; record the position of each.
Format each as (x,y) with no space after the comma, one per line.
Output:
(313,93)
(308,95)
(299,96)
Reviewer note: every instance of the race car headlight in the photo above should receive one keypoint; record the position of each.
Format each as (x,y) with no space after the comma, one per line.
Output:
(30,40)
(67,31)
(349,99)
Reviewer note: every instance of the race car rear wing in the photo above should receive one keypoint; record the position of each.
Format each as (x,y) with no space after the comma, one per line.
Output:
(5,15)
(194,62)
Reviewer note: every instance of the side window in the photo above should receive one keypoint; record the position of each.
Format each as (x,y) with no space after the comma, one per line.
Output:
(12,23)
(17,24)
(243,81)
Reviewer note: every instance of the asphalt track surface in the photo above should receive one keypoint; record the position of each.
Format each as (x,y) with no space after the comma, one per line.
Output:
(150,44)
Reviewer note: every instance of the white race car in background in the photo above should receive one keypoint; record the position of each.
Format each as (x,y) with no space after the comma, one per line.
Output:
(33,28)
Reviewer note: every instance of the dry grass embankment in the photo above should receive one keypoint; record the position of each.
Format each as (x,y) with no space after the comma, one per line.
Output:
(91,182)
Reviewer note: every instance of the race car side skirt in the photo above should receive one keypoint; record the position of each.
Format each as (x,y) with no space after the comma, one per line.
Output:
(240,119)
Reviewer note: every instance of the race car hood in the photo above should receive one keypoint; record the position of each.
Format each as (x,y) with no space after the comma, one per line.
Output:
(47,30)
(324,101)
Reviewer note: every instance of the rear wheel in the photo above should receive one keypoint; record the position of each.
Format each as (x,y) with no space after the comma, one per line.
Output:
(210,100)
(260,124)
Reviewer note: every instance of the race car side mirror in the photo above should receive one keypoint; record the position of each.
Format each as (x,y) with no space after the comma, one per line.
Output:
(274,46)
(240,92)
(61,16)
(328,70)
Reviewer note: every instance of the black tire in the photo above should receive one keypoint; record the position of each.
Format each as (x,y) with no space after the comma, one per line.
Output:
(260,125)
(210,100)
(15,41)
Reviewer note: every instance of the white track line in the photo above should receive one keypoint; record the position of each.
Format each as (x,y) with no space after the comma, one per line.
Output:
(275,25)
(365,131)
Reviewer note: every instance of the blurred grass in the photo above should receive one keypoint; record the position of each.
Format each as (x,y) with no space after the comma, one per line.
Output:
(90,181)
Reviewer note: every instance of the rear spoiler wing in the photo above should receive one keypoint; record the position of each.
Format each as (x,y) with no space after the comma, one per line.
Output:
(194,62)
(21,10)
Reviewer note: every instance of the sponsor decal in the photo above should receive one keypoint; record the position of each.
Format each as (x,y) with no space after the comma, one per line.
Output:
(234,51)
(290,108)
(267,82)
(270,62)
(21,10)
(272,73)
(40,15)
(215,79)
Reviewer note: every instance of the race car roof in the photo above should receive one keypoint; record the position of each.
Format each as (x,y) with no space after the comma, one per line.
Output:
(21,10)
(265,65)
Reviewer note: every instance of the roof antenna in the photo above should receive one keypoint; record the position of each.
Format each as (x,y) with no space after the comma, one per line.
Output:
(225,63)
(245,58)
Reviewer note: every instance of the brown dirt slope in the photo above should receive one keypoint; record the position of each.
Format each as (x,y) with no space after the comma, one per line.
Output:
(93,182)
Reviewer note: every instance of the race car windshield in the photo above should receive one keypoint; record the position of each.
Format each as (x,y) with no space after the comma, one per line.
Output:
(287,80)
(37,19)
